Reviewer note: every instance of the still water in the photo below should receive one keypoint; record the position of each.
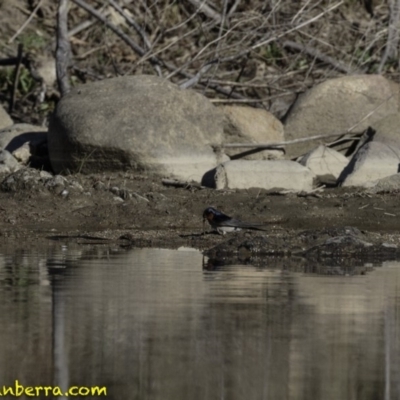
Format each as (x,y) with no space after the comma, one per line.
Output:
(156,324)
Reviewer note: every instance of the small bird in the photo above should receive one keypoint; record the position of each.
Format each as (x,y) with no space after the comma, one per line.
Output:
(222,223)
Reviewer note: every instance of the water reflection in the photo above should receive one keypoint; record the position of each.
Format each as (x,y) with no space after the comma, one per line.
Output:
(163,324)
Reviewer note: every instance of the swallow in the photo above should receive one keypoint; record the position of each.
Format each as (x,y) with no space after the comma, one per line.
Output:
(222,223)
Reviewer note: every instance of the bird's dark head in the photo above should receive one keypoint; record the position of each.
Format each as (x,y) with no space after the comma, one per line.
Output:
(209,214)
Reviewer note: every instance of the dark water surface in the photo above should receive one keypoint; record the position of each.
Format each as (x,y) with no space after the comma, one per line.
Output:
(154,324)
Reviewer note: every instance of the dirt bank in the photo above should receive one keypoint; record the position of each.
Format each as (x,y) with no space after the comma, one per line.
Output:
(143,211)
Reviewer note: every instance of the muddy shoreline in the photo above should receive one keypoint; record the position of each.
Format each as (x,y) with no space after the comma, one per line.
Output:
(132,210)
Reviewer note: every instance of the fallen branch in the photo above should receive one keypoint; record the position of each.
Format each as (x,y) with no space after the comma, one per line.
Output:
(240,100)
(184,184)
(274,145)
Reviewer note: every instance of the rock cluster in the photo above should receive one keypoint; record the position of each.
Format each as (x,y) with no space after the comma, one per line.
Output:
(148,124)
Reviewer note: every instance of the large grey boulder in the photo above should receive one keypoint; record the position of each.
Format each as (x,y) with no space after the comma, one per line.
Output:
(389,184)
(251,125)
(372,161)
(135,122)
(387,131)
(23,140)
(326,163)
(378,155)
(8,163)
(5,119)
(336,105)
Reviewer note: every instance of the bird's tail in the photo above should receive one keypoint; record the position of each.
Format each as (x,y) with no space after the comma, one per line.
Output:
(256,227)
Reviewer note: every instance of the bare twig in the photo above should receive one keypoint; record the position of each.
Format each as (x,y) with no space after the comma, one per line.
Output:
(187,20)
(6,62)
(87,72)
(184,184)
(216,88)
(369,6)
(221,27)
(298,27)
(89,22)
(391,50)
(274,145)
(117,71)
(63,52)
(300,12)
(81,3)
(204,8)
(233,8)
(169,45)
(86,24)
(241,99)
(238,77)
(343,139)
(133,23)
(219,39)
(184,66)
(90,51)
(26,23)
(320,56)
(361,59)
(254,47)
(193,81)
(16,78)
(266,82)
(138,49)
(138,29)
(280,35)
